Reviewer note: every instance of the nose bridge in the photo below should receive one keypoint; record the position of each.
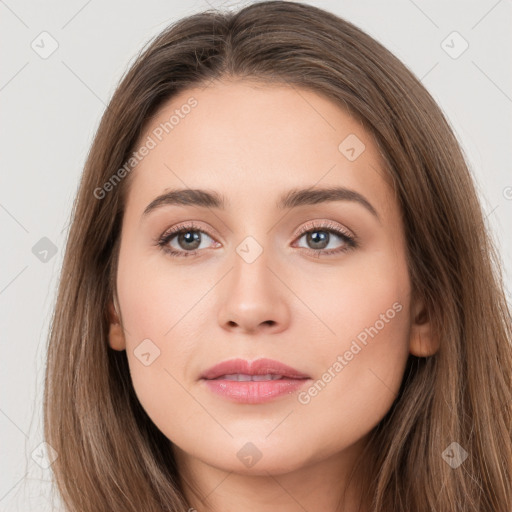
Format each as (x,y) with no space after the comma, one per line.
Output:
(250,275)
(254,296)
(253,251)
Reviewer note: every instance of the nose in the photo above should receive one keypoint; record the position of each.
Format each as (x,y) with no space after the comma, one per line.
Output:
(253,298)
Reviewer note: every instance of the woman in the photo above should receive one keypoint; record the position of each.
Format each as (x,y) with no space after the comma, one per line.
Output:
(336,337)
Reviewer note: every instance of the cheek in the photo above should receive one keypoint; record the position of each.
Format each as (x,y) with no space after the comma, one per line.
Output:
(355,295)
(162,314)
(158,299)
(362,363)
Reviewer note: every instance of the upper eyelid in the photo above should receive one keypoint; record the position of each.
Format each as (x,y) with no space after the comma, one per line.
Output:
(326,225)
(191,226)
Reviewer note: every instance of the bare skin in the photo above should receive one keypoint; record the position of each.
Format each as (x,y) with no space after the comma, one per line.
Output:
(253,143)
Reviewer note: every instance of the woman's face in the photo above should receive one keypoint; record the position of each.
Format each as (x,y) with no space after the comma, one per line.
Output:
(299,258)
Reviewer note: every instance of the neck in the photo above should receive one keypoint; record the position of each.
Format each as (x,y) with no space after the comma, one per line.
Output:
(322,485)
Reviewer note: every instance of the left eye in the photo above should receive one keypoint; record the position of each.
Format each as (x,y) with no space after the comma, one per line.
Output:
(319,239)
(189,241)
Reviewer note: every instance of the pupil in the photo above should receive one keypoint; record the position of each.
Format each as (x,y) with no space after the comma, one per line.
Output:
(190,237)
(318,238)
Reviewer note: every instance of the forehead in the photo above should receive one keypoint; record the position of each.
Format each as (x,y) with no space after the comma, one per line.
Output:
(253,141)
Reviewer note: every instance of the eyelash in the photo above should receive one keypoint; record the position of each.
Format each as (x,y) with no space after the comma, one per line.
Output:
(350,241)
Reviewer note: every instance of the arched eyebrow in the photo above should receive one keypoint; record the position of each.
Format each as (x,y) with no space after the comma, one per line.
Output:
(309,196)
(294,198)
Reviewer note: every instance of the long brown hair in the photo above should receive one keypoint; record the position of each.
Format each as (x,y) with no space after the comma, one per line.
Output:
(111,456)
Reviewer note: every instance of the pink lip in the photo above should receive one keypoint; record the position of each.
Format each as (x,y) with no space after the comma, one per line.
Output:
(253,392)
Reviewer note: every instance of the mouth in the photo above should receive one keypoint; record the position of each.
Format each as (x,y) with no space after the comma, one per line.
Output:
(241,381)
(241,369)
(243,377)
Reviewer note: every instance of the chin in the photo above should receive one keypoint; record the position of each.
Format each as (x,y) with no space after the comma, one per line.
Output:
(258,457)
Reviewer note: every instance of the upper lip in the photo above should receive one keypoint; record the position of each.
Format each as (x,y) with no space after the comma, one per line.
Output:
(261,366)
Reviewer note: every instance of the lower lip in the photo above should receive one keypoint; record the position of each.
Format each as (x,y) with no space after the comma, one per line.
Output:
(254,392)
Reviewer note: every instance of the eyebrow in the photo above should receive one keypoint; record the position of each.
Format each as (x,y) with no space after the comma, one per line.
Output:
(292,199)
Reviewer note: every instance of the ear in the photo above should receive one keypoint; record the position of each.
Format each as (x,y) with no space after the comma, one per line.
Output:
(422,341)
(116,338)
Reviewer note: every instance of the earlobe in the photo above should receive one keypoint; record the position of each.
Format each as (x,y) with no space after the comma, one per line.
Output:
(116,339)
(423,342)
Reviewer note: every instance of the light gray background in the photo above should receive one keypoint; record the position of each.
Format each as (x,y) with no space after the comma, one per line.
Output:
(51,108)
